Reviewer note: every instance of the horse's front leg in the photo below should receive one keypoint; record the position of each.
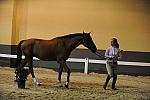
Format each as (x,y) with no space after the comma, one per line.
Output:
(63,64)
(60,73)
(59,76)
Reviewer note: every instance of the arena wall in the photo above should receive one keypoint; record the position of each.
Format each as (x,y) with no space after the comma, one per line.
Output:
(127,20)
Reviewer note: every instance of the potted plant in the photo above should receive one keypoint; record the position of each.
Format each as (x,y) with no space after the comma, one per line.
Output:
(21,76)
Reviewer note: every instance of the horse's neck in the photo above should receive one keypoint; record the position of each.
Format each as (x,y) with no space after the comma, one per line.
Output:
(74,42)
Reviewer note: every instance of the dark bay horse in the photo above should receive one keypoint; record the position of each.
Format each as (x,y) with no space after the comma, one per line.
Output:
(57,49)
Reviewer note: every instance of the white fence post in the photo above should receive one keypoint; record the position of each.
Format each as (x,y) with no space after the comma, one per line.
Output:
(86,66)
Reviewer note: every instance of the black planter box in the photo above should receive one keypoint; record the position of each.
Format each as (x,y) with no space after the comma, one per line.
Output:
(21,84)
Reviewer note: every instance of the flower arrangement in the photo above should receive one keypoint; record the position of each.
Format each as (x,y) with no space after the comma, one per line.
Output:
(22,73)
(21,77)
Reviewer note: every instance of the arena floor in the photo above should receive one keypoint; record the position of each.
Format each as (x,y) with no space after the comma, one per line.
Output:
(82,87)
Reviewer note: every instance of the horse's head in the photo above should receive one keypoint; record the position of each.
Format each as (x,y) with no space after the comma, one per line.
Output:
(88,42)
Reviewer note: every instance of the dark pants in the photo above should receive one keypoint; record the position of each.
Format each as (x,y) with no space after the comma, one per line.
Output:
(112,73)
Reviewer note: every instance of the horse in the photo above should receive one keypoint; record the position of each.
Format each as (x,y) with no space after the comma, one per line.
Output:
(57,49)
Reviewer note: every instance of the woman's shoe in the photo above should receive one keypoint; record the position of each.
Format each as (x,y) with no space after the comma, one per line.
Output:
(114,88)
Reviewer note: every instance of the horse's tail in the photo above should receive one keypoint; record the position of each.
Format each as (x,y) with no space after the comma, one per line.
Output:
(19,54)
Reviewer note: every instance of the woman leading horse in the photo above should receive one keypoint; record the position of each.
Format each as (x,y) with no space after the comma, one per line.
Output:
(57,49)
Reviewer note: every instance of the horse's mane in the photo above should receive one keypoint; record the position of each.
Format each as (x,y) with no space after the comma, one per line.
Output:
(71,35)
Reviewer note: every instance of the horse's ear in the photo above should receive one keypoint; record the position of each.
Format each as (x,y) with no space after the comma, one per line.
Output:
(83,32)
(89,33)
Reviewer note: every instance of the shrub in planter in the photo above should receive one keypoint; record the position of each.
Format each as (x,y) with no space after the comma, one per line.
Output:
(21,76)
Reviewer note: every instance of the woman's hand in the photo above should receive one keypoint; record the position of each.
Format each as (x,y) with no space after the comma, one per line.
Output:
(115,58)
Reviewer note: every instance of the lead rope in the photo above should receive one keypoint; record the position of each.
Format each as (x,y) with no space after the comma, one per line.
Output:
(98,54)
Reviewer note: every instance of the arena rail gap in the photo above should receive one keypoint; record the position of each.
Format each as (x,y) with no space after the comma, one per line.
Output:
(86,61)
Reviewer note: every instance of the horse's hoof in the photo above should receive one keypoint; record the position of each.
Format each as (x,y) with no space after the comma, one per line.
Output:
(39,84)
(66,84)
(61,85)
(15,80)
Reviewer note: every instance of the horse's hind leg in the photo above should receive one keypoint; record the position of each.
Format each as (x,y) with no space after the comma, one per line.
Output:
(30,64)
(23,63)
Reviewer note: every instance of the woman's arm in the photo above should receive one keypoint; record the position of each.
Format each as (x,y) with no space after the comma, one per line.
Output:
(119,55)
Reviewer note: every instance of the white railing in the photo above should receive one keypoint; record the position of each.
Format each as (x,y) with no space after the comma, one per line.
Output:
(86,61)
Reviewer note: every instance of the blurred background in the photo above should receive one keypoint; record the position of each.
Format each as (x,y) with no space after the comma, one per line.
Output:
(127,20)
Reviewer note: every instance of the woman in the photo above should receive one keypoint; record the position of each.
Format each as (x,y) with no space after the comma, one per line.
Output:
(112,55)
